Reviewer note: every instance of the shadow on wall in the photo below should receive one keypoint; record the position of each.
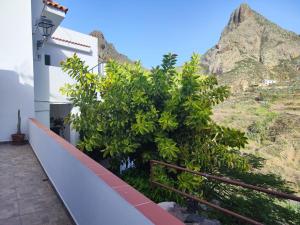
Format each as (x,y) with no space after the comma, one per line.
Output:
(14,95)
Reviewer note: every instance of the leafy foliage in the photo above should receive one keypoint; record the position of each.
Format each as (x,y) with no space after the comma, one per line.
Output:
(161,114)
(134,115)
(264,208)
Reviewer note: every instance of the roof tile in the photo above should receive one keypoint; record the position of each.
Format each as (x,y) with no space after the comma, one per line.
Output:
(70,42)
(55,5)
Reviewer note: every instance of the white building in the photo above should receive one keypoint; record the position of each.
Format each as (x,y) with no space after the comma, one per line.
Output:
(268,82)
(30,78)
(30,72)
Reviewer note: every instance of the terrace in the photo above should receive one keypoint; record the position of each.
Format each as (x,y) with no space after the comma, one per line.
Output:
(26,194)
(49,181)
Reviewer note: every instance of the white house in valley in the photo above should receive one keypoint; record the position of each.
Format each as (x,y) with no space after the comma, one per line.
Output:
(32,45)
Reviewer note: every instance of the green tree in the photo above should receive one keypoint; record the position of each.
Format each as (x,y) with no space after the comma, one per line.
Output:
(157,114)
(163,114)
(135,115)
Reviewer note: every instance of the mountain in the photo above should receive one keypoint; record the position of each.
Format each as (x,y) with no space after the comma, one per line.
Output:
(260,61)
(252,49)
(107,50)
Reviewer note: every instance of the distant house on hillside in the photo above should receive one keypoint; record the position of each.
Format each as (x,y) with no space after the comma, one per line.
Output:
(32,46)
(268,82)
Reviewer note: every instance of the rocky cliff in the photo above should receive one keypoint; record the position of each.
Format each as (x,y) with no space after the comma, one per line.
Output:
(107,50)
(260,61)
(252,49)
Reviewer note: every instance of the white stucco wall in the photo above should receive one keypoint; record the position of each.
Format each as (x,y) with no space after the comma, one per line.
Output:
(26,83)
(36,8)
(89,200)
(74,136)
(61,50)
(16,66)
(49,79)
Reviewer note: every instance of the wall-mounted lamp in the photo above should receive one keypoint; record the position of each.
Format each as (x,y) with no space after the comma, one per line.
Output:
(45,26)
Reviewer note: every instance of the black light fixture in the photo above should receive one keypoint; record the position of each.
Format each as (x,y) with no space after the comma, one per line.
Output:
(45,26)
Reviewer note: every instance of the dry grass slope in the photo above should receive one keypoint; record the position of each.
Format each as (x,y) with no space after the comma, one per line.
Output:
(270,117)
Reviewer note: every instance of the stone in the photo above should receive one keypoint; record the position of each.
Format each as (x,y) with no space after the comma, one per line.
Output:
(193,218)
(189,219)
(200,220)
(168,206)
(174,209)
(210,222)
(216,202)
(203,207)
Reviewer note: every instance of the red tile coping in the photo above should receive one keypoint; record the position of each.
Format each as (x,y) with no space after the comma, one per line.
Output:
(55,5)
(149,209)
(70,42)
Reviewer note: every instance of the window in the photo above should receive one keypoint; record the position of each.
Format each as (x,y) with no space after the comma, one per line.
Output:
(47,60)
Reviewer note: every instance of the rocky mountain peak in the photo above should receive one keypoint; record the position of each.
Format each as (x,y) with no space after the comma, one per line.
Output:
(240,14)
(107,50)
(251,44)
(252,49)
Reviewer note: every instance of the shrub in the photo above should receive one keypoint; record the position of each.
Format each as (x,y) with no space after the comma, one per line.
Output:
(134,115)
(160,114)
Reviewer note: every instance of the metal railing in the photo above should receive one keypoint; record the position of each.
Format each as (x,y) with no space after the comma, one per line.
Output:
(98,68)
(223,180)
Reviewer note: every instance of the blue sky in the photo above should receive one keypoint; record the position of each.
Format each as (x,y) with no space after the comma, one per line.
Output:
(146,29)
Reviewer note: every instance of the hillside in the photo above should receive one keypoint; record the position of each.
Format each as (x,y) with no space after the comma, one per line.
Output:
(251,50)
(107,50)
(260,62)
(270,117)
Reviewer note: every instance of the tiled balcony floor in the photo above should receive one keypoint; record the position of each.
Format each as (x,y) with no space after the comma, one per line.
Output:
(26,196)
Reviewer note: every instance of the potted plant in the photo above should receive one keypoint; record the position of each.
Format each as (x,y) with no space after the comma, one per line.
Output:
(18,138)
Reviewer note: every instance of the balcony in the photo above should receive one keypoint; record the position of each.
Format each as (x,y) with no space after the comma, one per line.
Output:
(49,181)
(26,194)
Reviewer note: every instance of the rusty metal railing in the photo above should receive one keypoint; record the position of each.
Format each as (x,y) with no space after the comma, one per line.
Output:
(223,180)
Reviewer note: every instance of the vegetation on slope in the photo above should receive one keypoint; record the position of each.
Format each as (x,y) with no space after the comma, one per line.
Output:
(270,117)
(132,115)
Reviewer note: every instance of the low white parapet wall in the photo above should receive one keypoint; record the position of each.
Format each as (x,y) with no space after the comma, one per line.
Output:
(91,193)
